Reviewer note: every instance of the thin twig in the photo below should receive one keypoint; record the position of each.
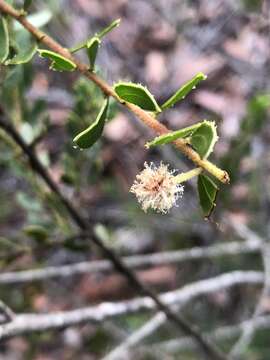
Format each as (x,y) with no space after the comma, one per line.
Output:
(183,296)
(209,350)
(28,323)
(133,262)
(6,314)
(144,116)
(220,334)
(153,324)
(249,329)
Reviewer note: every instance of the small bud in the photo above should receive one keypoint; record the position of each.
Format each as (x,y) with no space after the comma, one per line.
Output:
(156,187)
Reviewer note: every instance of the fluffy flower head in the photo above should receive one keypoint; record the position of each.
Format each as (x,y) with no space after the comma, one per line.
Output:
(156,187)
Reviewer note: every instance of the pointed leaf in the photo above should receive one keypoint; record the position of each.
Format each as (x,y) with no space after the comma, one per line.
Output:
(4,39)
(183,91)
(59,62)
(108,28)
(138,95)
(92,49)
(173,135)
(207,194)
(89,136)
(204,138)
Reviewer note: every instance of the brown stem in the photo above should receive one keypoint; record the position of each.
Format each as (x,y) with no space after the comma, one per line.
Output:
(144,116)
(209,350)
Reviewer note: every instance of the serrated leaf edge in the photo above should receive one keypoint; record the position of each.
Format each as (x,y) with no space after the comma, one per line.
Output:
(143,87)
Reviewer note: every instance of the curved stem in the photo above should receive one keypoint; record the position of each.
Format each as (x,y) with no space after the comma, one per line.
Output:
(144,116)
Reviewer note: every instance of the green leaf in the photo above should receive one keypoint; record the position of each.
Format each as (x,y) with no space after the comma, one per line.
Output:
(59,62)
(184,91)
(85,43)
(4,39)
(207,194)
(36,232)
(173,135)
(92,49)
(25,48)
(89,136)
(204,138)
(109,28)
(27,4)
(138,95)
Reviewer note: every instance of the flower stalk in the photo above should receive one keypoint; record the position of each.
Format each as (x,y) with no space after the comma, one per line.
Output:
(187,175)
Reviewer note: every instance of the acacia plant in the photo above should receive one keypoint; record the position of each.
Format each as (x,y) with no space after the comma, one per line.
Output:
(157,186)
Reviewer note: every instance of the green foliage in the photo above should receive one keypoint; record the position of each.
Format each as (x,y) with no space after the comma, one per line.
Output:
(37,232)
(251,125)
(202,136)
(173,135)
(89,136)
(184,91)
(108,28)
(92,48)
(207,190)
(24,47)
(59,62)
(93,43)
(137,94)
(27,4)
(4,39)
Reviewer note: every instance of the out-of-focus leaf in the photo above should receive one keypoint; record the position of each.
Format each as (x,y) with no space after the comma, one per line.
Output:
(108,28)
(251,125)
(25,47)
(38,19)
(138,95)
(184,91)
(89,136)
(27,4)
(207,190)
(4,39)
(59,62)
(36,232)
(173,135)
(92,49)
(204,138)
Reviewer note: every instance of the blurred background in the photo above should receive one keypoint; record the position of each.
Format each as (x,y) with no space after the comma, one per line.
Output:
(160,44)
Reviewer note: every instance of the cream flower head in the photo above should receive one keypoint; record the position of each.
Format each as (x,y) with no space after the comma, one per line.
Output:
(156,187)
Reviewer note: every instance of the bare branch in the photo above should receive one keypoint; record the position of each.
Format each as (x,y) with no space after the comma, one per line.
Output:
(183,296)
(222,333)
(250,327)
(209,350)
(153,324)
(6,314)
(28,323)
(162,258)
